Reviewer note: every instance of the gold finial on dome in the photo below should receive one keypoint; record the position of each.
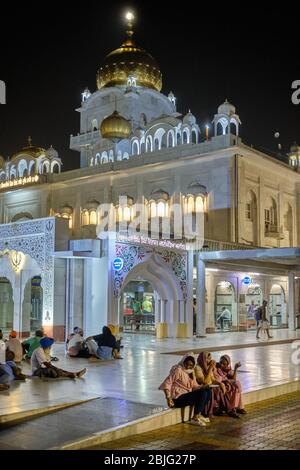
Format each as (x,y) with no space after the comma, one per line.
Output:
(129,60)
(130,18)
(29,141)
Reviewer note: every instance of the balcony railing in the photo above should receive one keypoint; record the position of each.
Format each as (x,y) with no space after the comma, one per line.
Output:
(274,231)
(84,139)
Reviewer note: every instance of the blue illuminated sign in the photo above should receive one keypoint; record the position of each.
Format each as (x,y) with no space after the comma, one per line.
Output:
(247,280)
(118,264)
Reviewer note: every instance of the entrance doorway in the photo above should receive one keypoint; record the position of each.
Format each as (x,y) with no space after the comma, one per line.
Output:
(32,309)
(6,305)
(137,307)
(277,307)
(225,307)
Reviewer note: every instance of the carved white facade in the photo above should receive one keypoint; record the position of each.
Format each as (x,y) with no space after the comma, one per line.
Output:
(247,198)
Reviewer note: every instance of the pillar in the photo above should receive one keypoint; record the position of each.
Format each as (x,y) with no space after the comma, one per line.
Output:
(291,304)
(162,325)
(201,324)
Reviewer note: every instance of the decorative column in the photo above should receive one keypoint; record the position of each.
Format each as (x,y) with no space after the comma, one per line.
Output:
(162,326)
(201,323)
(291,303)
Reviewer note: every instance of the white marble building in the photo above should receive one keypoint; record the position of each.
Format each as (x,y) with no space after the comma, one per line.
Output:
(134,142)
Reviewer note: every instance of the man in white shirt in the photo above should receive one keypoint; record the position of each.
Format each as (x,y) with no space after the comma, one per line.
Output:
(41,363)
(225,317)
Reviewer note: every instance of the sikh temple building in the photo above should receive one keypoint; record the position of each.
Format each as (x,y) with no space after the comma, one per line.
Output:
(58,271)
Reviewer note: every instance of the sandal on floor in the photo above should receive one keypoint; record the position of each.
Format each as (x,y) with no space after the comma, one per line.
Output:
(233,414)
(241,411)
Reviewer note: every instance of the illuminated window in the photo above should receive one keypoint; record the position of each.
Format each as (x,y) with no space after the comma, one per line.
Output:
(161,209)
(153,209)
(85,218)
(93,218)
(194,204)
(125,210)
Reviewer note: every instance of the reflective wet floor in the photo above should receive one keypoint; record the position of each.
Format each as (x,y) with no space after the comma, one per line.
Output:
(137,377)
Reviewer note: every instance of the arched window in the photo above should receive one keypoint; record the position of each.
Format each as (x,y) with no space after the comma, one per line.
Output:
(233,127)
(185,136)
(95,125)
(22,167)
(93,217)
(135,148)
(220,129)
(178,138)
(31,168)
(104,158)
(55,168)
(156,144)
(153,209)
(270,215)
(45,168)
(170,139)
(85,218)
(194,137)
(149,147)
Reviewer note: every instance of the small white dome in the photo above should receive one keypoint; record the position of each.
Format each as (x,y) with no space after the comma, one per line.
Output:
(51,153)
(226,108)
(189,118)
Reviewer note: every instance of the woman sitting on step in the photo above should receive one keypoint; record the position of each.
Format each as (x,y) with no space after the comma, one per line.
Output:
(228,376)
(181,389)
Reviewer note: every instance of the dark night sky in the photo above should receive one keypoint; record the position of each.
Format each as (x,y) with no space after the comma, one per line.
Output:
(50,52)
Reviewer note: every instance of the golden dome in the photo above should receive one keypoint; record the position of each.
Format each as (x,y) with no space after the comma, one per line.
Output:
(116,127)
(129,60)
(29,150)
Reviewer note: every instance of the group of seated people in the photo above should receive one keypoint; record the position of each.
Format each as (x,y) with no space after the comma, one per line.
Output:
(36,349)
(210,387)
(104,346)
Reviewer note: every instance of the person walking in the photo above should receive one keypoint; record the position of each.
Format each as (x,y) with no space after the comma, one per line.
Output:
(263,322)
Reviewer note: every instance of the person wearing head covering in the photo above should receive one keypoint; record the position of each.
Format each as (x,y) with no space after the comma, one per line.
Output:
(14,345)
(76,345)
(41,363)
(232,384)
(104,346)
(204,373)
(181,389)
(30,344)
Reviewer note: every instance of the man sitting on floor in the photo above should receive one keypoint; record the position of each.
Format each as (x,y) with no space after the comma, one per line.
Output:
(9,371)
(41,363)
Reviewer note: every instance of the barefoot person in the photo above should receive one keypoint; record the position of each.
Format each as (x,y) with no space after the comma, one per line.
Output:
(263,323)
(181,389)
(233,385)
(9,371)
(42,367)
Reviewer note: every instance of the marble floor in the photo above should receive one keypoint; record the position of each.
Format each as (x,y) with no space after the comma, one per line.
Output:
(146,363)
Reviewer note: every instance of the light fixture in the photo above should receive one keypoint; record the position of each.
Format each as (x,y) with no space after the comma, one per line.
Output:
(129,16)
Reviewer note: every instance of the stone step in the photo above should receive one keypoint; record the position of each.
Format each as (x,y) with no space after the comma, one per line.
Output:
(168,418)
(32,411)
